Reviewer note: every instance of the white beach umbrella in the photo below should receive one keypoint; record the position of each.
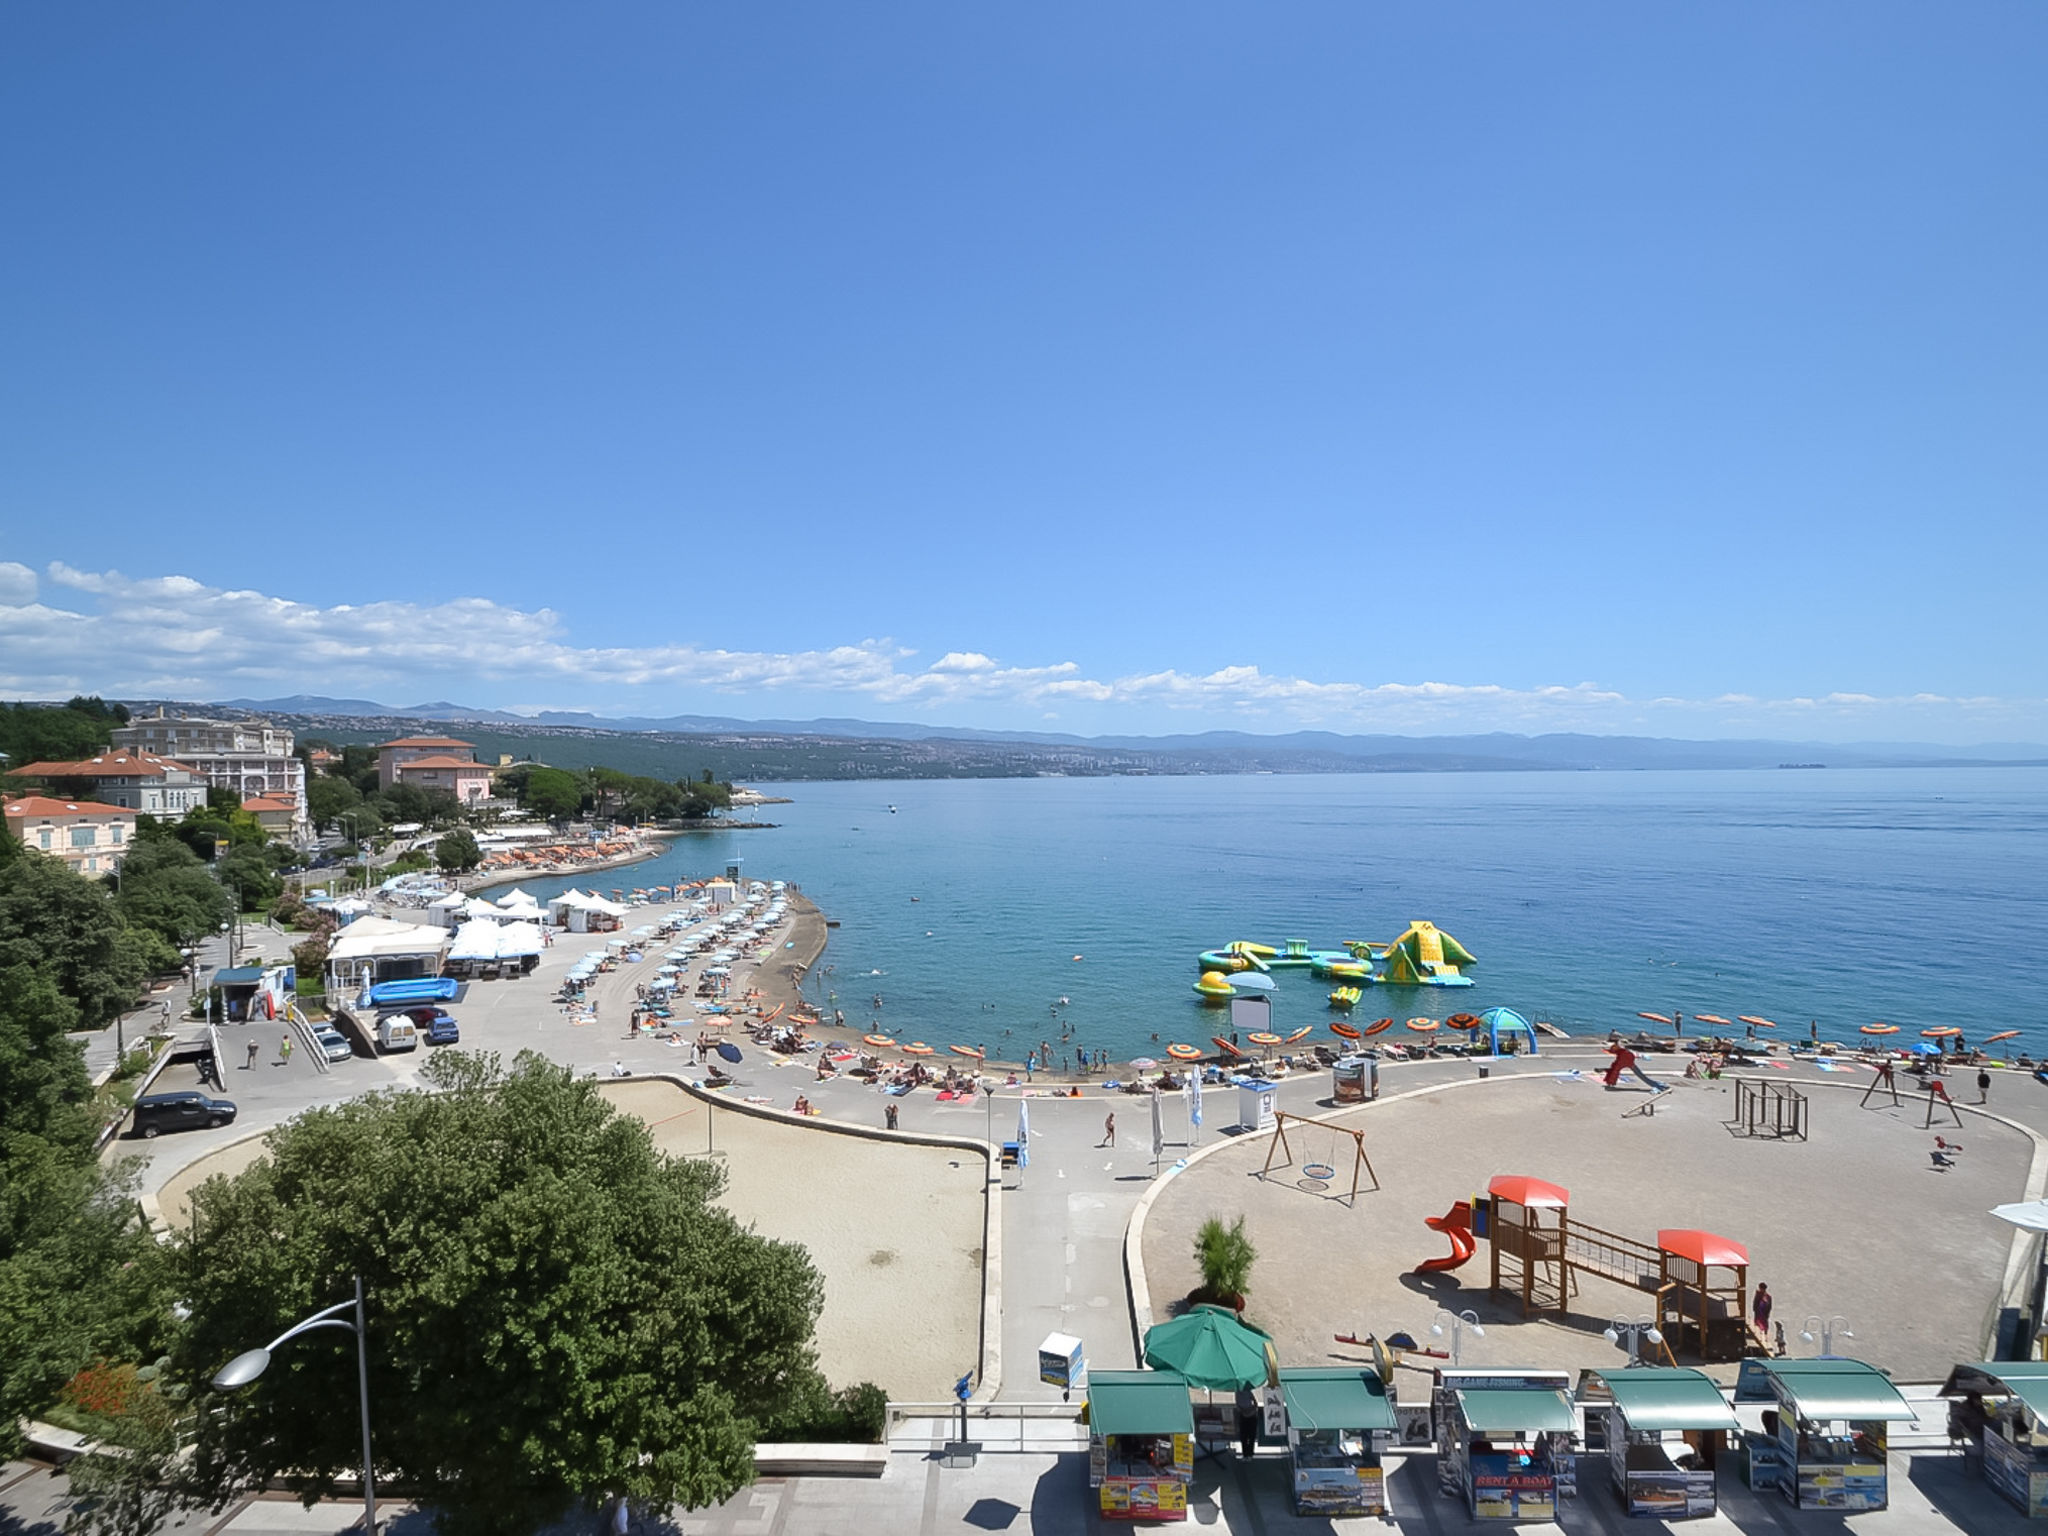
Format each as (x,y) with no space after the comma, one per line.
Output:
(2030,1214)
(1158,1126)
(1023,1133)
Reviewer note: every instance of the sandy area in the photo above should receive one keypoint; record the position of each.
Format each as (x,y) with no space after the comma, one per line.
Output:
(895,1228)
(175,1198)
(1853,1221)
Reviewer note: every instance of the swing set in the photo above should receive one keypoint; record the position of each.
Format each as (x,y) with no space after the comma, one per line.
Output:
(1317,1176)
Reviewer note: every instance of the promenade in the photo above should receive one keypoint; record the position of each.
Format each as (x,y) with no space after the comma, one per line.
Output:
(1855,1222)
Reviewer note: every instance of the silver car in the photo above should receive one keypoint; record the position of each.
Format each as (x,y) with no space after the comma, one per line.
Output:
(333,1045)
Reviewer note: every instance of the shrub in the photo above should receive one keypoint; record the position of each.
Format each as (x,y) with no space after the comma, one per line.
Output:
(1225,1255)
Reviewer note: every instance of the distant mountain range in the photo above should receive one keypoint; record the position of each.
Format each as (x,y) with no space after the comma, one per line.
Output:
(846,748)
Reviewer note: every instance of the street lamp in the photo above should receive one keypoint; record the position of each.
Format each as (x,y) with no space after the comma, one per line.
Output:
(245,1368)
(1460,1321)
(1825,1329)
(1632,1336)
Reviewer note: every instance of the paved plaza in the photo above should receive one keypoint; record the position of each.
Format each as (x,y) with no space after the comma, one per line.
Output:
(1093,1239)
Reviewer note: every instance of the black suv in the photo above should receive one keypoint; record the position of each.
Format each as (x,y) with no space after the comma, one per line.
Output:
(180,1112)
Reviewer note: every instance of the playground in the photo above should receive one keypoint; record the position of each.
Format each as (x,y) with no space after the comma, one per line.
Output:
(1855,1221)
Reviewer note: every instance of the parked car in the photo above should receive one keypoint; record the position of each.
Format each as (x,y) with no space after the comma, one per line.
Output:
(396,1032)
(158,1112)
(436,1024)
(332,1044)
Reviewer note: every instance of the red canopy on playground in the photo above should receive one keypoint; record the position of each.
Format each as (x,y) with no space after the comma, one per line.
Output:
(1703,1248)
(1536,1194)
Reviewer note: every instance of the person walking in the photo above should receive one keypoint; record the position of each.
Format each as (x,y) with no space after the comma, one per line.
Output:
(889,1116)
(284,1051)
(253,1049)
(1983,1085)
(1760,1309)
(1108,1130)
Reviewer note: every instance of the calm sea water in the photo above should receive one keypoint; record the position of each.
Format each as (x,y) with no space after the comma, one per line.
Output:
(1915,897)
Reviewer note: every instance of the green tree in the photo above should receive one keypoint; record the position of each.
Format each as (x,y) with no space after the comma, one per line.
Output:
(557,1311)
(31,733)
(80,1276)
(553,793)
(248,870)
(167,889)
(327,797)
(67,926)
(412,802)
(704,798)
(457,852)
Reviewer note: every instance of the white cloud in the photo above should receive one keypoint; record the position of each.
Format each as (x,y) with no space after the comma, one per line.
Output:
(175,637)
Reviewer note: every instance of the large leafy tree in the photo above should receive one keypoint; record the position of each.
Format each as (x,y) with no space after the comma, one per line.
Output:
(166,888)
(458,852)
(80,1276)
(32,733)
(66,926)
(328,796)
(551,792)
(557,1311)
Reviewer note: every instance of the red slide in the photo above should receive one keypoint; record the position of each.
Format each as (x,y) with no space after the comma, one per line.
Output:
(1455,1224)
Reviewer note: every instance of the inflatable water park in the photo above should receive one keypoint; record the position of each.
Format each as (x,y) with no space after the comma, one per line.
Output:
(1423,955)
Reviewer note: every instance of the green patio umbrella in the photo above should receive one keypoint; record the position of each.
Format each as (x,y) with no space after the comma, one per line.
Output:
(1210,1347)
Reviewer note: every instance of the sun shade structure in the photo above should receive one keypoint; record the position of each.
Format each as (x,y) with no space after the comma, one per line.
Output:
(1826,1390)
(1211,1348)
(1703,1248)
(1503,1411)
(2026,1380)
(1335,1397)
(1139,1403)
(1536,1194)
(1657,1398)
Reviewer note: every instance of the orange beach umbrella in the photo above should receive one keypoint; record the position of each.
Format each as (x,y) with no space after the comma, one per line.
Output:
(1263,1037)
(2003,1034)
(1378,1025)
(1940,1032)
(1711,1018)
(918,1048)
(877,1040)
(1880,1029)
(1422,1026)
(1659,1018)
(1181,1052)
(1750,1018)
(1462,1021)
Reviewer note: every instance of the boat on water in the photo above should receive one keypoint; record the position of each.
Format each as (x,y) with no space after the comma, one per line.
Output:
(1346,997)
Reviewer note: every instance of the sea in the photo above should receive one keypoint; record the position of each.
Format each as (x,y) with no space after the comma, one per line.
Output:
(1004,912)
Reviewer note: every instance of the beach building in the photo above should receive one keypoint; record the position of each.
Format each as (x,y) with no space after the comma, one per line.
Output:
(87,835)
(135,781)
(250,757)
(375,949)
(435,762)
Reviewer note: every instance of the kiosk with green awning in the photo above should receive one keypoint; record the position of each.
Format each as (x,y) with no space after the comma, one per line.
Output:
(1339,1419)
(1505,1439)
(1663,1426)
(1826,1448)
(2003,1404)
(1141,1445)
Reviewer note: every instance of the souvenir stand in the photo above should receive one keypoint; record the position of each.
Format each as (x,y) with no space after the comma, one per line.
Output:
(1141,1449)
(1355,1079)
(1339,1419)
(1663,1426)
(1504,1441)
(1061,1362)
(1824,1442)
(2004,1405)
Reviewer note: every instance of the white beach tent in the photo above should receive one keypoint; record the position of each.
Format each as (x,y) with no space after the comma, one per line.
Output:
(475,941)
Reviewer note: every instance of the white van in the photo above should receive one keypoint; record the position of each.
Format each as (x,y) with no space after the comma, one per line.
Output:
(397,1033)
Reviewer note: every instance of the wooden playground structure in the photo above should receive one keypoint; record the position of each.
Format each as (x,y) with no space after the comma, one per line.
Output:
(1319,1175)
(1699,1280)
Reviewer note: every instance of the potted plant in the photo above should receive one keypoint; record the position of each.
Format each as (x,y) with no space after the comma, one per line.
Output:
(1225,1255)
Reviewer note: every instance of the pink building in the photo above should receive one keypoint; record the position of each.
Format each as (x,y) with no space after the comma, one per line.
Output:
(92,838)
(435,762)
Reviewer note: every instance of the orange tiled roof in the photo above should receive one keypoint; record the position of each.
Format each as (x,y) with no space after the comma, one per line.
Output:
(109,765)
(426,741)
(443,762)
(43,805)
(271,803)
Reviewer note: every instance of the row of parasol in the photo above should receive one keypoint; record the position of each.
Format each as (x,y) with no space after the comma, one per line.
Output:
(1939,1032)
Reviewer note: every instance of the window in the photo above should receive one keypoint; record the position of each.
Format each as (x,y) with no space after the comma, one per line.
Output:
(46,837)
(84,837)
(115,830)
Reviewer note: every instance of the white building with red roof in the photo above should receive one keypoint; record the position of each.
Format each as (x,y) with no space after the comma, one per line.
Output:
(250,757)
(135,781)
(89,836)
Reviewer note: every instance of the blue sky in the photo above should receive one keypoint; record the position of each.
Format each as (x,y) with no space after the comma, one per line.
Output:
(1132,367)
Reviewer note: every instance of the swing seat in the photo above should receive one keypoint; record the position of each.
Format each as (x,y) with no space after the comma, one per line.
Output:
(1321,1171)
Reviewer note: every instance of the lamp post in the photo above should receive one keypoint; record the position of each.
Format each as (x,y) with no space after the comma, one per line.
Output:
(1460,1321)
(1825,1330)
(1632,1336)
(245,1368)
